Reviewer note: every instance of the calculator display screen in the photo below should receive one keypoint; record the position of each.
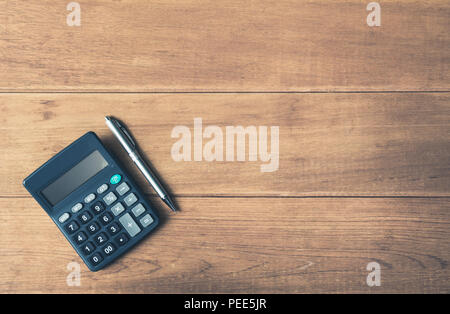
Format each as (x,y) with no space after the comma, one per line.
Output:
(75,177)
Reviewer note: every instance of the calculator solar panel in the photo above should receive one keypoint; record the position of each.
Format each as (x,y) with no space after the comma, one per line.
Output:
(93,201)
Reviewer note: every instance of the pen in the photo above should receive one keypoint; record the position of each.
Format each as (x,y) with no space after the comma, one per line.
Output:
(129,145)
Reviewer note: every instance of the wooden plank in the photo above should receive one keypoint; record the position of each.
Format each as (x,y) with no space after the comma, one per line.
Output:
(207,45)
(245,245)
(329,144)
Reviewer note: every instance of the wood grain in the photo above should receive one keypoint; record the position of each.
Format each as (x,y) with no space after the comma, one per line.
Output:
(236,45)
(293,245)
(364,141)
(330,144)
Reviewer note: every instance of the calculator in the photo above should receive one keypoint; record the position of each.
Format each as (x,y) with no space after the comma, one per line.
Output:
(93,201)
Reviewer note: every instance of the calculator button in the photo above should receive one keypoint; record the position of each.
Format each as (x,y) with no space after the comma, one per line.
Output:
(122,188)
(89,198)
(64,217)
(72,227)
(93,228)
(96,259)
(110,198)
(113,229)
(129,224)
(122,239)
(77,207)
(115,179)
(106,218)
(130,199)
(80,237)
(102,188)
(98,207)
(138,210)
(84,217)
(109,249)
(101,238)
(88,248)
(117,209)
(146,220)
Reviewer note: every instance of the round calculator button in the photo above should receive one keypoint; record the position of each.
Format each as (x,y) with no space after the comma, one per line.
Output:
(89,198)
(63,217)
(102,188)
(115,179)
(76,208)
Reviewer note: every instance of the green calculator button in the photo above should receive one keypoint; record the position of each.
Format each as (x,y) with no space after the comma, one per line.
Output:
(115,179)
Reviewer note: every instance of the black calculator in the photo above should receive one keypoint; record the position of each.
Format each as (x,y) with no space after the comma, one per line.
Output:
(93,201)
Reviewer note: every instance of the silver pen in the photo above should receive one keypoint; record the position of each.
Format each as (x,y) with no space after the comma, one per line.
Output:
(129,145)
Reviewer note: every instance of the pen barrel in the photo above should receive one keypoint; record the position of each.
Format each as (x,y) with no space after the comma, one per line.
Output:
(145,169)
(126,144)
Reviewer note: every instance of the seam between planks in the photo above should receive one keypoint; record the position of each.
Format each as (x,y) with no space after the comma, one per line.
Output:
(275,196)
(227,92)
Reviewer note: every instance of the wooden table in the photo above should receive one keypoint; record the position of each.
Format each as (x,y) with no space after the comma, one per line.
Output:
(364,152)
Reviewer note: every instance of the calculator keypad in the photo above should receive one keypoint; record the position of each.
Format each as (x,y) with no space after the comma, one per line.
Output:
(109,249)
(146,220)
(108,223)
(93,228)
(110,198)
(122,188)
(96,259)
(102,188)
(115,179)
(85,217)
(101,238)
(63,218)
(122,239)
(72,226)
(80,237)
(113,228)
(129,224)
(88,248)
(98,207)
(117,209)
(77,207)
(138,210)
(130,199)
(106,218)
(89,198)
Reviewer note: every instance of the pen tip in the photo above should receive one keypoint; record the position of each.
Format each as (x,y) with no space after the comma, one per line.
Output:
(169,203)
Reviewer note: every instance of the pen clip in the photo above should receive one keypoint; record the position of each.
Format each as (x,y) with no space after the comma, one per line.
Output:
(125,132)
